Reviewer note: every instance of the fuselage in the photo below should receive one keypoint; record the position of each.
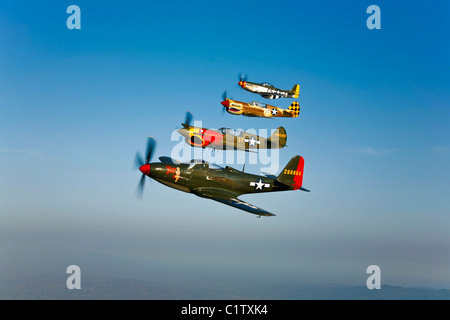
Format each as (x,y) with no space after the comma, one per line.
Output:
(267,90)
(255,109)
(231,139)
(187,177)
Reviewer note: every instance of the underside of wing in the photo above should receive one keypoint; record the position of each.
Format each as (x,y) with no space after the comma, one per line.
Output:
(270,96)
(231,199)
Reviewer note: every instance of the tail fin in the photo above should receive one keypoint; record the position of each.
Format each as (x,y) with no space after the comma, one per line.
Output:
(292,174)
(295,91)
(295,109)
(277,139)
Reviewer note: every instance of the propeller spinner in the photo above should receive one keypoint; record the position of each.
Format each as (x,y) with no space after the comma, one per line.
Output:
(242,80)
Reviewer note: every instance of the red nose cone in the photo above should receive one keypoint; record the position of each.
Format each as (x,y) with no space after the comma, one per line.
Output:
(145,169)
(242,84)
(225,103)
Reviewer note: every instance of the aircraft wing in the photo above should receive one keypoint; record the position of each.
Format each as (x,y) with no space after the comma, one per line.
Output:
(269,96)
(231,199)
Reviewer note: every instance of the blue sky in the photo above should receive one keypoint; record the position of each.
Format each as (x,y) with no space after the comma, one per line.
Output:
(76,105)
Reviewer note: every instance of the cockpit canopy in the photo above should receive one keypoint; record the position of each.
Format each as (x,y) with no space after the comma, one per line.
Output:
(258,104)
(202,163)
(266,84)
(194,161)
(233,132)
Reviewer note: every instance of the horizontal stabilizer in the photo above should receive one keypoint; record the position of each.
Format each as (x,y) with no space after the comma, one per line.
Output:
(268,175)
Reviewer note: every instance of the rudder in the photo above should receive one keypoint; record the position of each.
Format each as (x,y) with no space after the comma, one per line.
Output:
(292,174)
(278,138)
(295,109)
(295,91)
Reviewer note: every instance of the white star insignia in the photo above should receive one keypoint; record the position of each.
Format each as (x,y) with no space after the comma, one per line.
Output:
(252,141)
(260,185)
(274,111)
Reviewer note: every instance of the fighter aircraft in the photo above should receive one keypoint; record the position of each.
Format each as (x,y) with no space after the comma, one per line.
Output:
(268,91)
(224,185)
(258,109)
(230,139)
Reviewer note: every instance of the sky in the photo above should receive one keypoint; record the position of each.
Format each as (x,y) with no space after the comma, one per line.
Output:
(76,106)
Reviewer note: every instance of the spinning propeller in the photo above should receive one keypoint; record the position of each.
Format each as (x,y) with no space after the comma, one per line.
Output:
(224,95)
(242,80)
(224,102)
(187,119)
(144,167)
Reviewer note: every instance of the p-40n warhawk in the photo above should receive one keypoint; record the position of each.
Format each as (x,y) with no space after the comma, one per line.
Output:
(230,139)
(224,185)
(268,91)
(258,109)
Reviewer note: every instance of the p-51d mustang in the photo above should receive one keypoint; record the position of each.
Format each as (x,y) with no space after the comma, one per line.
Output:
(268,91)
(230,139)
(258,109)
(224,185)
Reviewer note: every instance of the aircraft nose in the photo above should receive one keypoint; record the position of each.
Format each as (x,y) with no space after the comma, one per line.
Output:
(183,131)
(242,84)
(145,169)
(225,103)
